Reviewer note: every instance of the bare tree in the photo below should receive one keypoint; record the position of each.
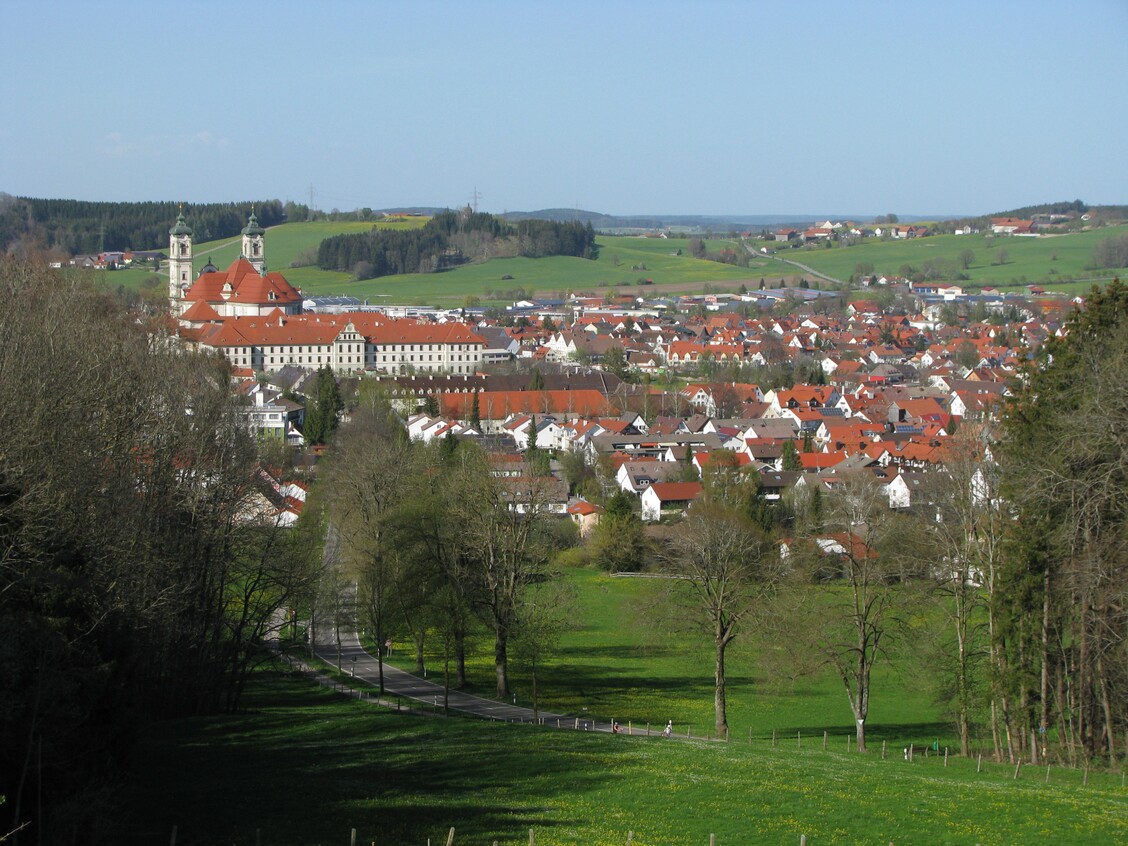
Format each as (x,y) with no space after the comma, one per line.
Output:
(502,528)
(721,558)
(850,621)
(964,546)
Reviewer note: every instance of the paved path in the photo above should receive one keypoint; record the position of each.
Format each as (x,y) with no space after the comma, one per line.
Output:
(430,694)
(752,250)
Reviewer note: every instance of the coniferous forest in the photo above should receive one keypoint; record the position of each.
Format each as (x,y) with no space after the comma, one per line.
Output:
(76,226)
(452,238)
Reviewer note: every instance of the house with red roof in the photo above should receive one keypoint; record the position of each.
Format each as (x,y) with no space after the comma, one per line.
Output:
(668,498)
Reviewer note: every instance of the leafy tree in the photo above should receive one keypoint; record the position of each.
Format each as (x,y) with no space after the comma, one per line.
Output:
(1065,472)
(967,258)
(790,457)
(619,542)
(475,420)
(615,362)
(323,412)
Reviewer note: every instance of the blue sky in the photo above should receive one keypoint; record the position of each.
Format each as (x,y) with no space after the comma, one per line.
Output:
(620,107)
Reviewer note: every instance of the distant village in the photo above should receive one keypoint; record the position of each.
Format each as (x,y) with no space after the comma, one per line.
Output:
(647,388)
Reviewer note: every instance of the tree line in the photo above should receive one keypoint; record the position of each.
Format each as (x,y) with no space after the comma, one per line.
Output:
(74,227)
(451,238)
(139,570)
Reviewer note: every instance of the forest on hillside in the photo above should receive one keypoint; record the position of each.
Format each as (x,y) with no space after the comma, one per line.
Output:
(73,227)
(449,239)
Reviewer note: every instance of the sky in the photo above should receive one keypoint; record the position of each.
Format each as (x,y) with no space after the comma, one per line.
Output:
(706,107)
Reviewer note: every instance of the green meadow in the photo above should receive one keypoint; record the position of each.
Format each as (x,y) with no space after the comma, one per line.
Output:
(632,656)
(623,261)
(1055,262)
(304,765)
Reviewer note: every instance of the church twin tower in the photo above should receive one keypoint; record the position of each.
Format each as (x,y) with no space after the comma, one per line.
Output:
(180,275)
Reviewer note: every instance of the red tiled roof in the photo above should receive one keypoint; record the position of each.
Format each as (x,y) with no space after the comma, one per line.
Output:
(676,491)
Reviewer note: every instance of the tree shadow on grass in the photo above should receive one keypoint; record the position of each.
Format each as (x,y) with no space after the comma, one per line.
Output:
(919,733)
(306,766)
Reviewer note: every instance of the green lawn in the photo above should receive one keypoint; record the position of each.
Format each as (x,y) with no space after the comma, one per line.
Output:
(629,659)
(306,766)
(1028,260)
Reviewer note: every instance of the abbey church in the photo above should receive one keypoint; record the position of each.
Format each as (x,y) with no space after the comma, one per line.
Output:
(244,289)
(254,318)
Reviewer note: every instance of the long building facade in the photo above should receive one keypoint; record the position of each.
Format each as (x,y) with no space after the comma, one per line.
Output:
(348,343)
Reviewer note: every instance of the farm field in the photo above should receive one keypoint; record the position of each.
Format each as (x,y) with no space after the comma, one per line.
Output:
(303,765)
(622,262)
(1028,260)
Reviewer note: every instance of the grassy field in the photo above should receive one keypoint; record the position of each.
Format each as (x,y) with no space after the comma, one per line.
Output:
(627,660)
(1044,261)
(305,766)
(623,261)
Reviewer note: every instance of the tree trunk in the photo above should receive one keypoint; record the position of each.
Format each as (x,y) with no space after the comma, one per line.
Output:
(720,708)
(420,666)
(501,664)
(460,660)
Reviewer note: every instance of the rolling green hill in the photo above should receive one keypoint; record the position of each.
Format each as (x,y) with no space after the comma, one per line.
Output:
(1056,262)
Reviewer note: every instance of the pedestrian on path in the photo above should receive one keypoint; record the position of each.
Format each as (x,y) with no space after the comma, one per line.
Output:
(669,729)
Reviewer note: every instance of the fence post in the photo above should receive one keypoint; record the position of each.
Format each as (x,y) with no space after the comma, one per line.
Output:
(352,837)
(883,750)
(802,840)
(532,839)
(1047,773)
(450,837)
(979,764)
(712,840)
(1017,767)
(945,756)
(825,737)
(630,838)
(688,732)
(630,729)
(798,740)
(773,738)
(172,840)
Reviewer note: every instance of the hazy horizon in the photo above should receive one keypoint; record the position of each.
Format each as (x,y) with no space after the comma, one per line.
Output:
(628,109)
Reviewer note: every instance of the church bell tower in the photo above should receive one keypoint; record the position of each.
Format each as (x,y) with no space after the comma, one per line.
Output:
(254,249)
(179,262)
